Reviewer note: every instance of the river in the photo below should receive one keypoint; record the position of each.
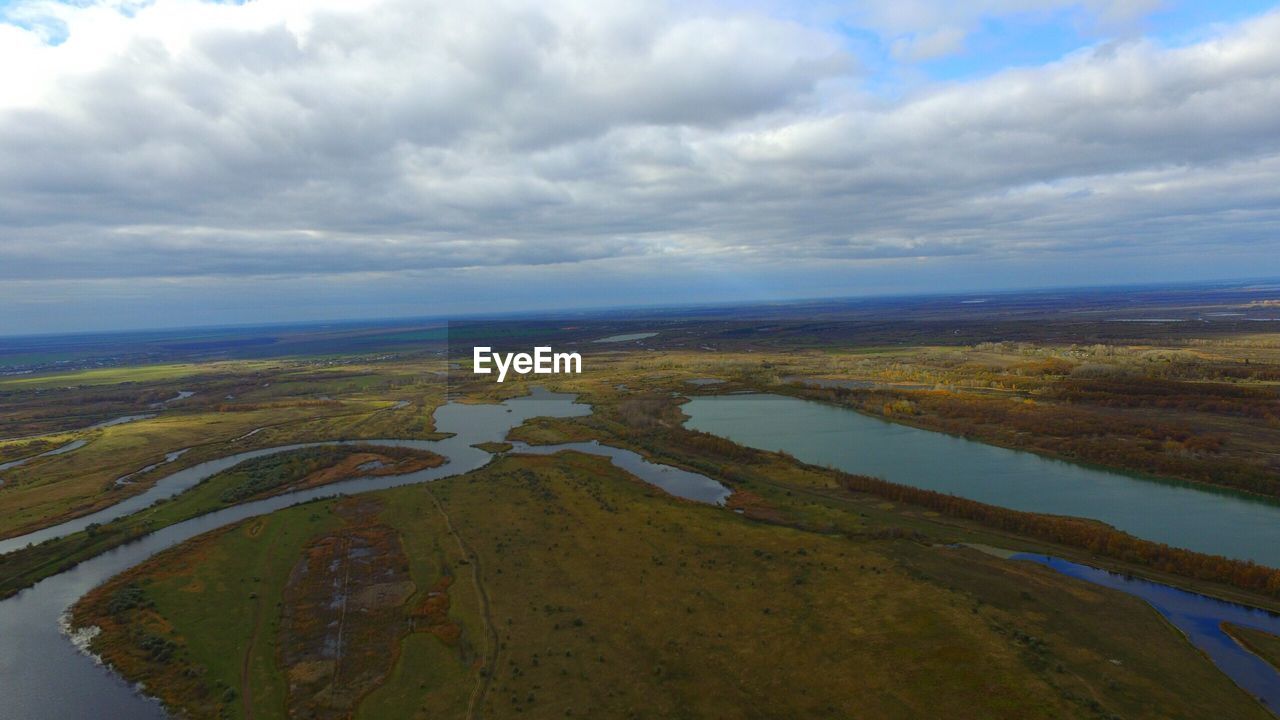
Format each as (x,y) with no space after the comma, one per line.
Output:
(1200,618)
(44,675)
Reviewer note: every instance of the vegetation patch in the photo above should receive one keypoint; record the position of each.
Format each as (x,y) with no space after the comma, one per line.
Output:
(1095,537)
(549,431)
(139,641)
(1157,444)
(1263,644)
(253,479)
(342,616)
(314,466)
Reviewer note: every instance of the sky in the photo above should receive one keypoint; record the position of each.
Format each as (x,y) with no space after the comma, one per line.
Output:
(180,162)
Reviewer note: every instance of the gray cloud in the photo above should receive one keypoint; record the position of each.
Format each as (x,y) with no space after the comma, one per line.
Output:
(415,136)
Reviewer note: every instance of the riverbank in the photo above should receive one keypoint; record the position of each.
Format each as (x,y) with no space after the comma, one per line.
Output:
(224,483)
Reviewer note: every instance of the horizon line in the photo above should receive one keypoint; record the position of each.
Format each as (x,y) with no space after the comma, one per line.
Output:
(556,313)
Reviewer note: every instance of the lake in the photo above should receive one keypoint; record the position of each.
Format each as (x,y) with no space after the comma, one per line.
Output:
(626,337)
(1198,518)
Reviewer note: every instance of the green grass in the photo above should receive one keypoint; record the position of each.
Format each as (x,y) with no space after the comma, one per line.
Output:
(110,376)
(236,575)
(225,635)
(429,677)
(610,599)
(427,681)
(286,398)
(30,447)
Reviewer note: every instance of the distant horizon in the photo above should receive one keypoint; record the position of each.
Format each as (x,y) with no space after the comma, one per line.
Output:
(566,313)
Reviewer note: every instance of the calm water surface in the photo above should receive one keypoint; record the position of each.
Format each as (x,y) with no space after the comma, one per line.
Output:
(673,480)
(1221,523)
(626,337)
(1197,616)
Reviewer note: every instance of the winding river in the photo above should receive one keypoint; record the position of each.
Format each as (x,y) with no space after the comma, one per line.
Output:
(43,675)
(60,450)
(73,445)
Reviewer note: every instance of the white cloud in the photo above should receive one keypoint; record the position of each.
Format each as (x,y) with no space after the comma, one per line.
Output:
(278,137)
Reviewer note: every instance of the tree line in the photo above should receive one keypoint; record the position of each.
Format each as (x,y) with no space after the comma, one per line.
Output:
(1087,535)
(1140,444)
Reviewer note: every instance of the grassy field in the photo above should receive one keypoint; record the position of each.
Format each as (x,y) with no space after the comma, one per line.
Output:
(1014,394)
(765,482)
(107,376)
(560,586)
(55,488)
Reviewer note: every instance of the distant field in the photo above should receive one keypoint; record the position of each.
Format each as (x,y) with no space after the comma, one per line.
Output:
(1084,315)
(105,376)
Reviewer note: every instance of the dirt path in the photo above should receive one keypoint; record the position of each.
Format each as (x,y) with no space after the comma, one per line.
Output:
(246,687)
(344,553)
(490,633)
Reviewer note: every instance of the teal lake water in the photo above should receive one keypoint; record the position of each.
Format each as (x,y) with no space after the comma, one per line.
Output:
(1218,522)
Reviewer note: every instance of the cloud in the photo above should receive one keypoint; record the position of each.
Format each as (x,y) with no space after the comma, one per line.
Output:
(188,139)
(906,17)
(397,122)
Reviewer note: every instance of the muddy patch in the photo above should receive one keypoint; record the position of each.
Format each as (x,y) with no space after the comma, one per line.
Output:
(751,505)
(432,616)
(343,616)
